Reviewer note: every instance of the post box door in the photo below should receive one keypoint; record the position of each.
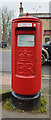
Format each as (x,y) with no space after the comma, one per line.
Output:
(25,52)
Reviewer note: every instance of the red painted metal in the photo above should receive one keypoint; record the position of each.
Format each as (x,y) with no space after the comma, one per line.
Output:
(26,61)
(26,14)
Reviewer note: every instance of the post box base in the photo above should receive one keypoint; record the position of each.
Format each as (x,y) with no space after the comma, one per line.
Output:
(26,97)
(28,102)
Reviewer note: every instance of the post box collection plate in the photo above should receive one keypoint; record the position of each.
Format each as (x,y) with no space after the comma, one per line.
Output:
(24,24)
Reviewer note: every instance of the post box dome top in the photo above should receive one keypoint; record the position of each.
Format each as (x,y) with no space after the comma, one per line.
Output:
(26,18)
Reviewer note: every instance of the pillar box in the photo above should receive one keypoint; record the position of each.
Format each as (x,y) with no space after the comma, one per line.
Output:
(26,52)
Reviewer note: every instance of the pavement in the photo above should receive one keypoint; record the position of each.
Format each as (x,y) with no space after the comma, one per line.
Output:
(5,85)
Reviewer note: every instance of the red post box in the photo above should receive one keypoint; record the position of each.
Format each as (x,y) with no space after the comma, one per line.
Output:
(26,51)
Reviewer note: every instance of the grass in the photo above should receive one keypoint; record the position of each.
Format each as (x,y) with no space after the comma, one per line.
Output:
(8,104)
(2,91)
(42,108)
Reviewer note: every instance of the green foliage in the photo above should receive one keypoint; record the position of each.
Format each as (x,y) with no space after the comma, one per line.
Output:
(8,104)
(42,108)
(42,100)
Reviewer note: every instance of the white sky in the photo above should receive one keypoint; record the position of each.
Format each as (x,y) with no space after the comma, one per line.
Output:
(24,0)
(28,5)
